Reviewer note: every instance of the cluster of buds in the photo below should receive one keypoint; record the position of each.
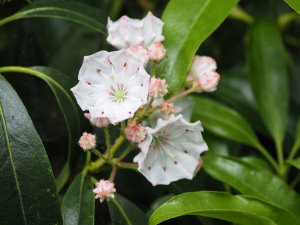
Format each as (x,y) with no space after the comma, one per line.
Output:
(116,87)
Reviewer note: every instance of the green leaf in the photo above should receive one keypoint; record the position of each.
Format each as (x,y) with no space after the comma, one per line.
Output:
(237,209)
(60,85)
(187,25)
(223,121)
(269,76)
(28,194)
(295,4)
(124,212)
(78,205)
(296,145)
(252,180)
(295,163)
(76,12)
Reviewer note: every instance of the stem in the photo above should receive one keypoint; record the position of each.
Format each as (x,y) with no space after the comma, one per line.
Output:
(123,126)
(239,14)
(93,180)
(99,154)
(88,158)
(113,174)
(267,155)
(100,162)
(107,139)
(295,181)
(281,166)
(125,165)
(182,94)
(126,152)
(153,69)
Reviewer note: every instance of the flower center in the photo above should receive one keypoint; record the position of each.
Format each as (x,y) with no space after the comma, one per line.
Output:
(119,95)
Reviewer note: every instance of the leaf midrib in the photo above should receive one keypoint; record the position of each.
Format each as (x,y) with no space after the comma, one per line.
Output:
(7,140)
(20,14)
(123,213)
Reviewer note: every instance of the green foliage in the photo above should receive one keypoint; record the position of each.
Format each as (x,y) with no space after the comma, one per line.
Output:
(252,181)
(28,193)
(237,209)
(295,4)
(124,212)
(186,27)
(269,76)
(67,10)
(78,204)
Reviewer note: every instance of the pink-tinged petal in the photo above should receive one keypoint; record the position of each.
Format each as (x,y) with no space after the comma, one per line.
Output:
(127,32)
(171,150)
(116,92)
(87,141)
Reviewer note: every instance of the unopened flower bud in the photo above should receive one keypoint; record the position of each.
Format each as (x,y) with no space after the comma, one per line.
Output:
(156,51)
(139,53)
(167,108)
(87,141)
(135,133)
(158,88)
(97,121)
(203,74)
(104,190)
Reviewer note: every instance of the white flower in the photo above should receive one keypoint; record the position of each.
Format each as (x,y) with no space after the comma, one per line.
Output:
(171,151)
(203,73)
(112,85)
(97,121)
(87,141)
(127,32)
(135,133)
(104,190)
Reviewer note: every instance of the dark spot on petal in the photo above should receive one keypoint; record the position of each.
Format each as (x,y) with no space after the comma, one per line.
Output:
(98,70)
(164,168)
(185,151)
(142,85)
(102,112)
(175,162)
(187,130)
(125,64)
(130,112)
(149,167)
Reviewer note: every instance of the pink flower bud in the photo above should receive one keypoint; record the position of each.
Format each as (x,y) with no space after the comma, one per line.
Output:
(208,81)
(97,121)
(104,190)
(203,74)
(139,53)
(135,133)
(156,51)
(158,88)
(87,141)
(167,108)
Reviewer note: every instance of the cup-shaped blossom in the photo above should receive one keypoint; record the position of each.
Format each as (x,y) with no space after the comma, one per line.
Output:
(127,32)
(112,85)
(156,51)
(203,73)
(158,87)
(171,150)
(135,133)
(105,189)
(87,141)
(97,121)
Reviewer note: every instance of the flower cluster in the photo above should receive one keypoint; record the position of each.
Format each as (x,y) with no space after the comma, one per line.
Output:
(115,87)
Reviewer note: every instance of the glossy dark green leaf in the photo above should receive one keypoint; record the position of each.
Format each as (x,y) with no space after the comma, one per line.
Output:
(295,163)
(187,25)
(60,85)
(269,76)
(78,205)
(252,180)
(237,209)
(28,194)
(295,4)
(223,121)
(296,145)
(124,212)
(80,13)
